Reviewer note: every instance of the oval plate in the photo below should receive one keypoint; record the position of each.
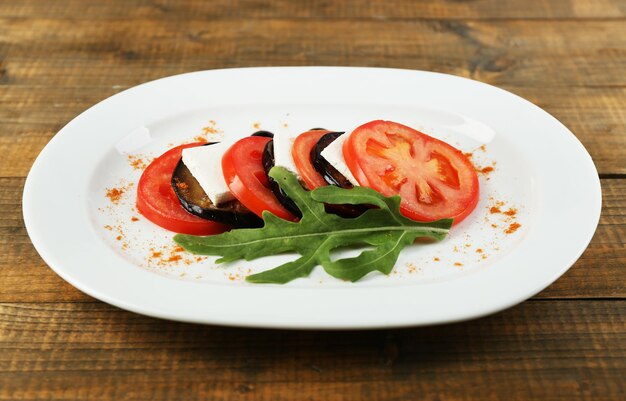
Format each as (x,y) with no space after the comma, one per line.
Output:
(540,199)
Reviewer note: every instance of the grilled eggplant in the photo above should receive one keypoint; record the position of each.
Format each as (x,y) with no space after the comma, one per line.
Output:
(268,163)
(333,176)
(266,134)
(194,200)
(326,170)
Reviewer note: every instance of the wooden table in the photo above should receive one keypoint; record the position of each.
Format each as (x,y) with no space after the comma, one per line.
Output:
(58,58)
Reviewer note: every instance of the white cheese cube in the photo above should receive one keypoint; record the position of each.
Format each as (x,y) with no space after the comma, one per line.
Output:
(333,153)
(282,152)
(205,164)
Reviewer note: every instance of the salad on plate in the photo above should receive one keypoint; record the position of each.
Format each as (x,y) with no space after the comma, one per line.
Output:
(383,186)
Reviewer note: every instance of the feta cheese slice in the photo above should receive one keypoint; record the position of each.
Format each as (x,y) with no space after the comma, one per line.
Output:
(205,164)
(282,152)
(333,153)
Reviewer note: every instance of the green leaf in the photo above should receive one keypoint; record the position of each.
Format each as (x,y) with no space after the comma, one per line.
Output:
(318,233)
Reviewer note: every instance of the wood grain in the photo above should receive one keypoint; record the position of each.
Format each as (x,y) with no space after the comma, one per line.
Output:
(559,350)
(57,58)
(128,52)
(312,9)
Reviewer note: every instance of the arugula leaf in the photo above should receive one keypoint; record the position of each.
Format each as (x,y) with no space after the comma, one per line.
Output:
(318,233)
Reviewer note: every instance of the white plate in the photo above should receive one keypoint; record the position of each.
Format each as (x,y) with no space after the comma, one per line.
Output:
(540,169)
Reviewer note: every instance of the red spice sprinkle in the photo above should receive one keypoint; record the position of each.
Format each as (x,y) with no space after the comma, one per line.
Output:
(256,126)
(482,147)
(479,250)
(486,170)
(209,130)
(174,258)
(458,264)
(436,259)
(469,155)
(178,248)
(108,227)
(134,218)
(511,212)
(411,267)
(115,194)
(136,162)
(494,225)
(494,210)
(156,254)
(512,228)
(119,237)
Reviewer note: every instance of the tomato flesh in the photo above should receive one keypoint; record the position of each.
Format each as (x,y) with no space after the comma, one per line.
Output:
(244,174)
(157,201)
(351,159)
(434,179)
(303,145)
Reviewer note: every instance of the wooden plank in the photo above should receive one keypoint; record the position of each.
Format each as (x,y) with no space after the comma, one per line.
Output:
(542,54)
(58,58)
(599,273)
(559,350)
(30,116)
(310,9)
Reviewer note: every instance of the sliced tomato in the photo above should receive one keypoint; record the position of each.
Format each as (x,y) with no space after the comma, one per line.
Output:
(350,157)
(301,152)
(244,174)
(157,201)
(434,179)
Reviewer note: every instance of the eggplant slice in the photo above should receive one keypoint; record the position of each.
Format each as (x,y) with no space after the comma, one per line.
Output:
(283,198)
(266,134)
(330,173)
(194,200)
(334,177)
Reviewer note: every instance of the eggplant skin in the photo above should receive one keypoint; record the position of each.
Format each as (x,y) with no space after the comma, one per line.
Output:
(281,196)
(194,200)
(326,170)
(266,134)
(333,177)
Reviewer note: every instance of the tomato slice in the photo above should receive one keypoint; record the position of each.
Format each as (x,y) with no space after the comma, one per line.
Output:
(244,174)
(301,152)
(434,179)
(157,201)
(350,157)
